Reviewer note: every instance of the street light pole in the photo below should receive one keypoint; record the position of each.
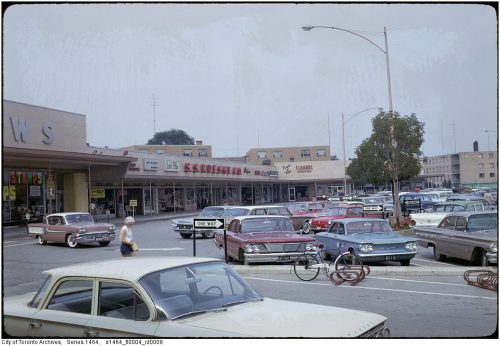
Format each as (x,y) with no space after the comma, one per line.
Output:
(385,51)
(344,122)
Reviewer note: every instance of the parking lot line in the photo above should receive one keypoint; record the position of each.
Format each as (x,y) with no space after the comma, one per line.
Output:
(19,244)
(418,281)
(376,288)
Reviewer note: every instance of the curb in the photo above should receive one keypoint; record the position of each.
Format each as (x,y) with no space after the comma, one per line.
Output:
(374,271)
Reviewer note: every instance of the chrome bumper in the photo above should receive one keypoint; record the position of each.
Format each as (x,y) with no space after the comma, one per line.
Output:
(90,238)
(492,257)
(274,257)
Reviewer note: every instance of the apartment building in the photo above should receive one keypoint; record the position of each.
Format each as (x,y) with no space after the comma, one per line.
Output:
(271,156)
(466,169)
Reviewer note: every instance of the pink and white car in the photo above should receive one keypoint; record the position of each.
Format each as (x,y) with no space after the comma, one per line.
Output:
(72,229)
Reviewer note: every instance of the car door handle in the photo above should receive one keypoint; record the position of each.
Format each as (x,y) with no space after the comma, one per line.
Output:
(35,324)
(91,333)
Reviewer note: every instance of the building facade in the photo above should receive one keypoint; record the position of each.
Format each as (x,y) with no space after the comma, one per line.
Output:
(271,156)
(464,169)
(48,167)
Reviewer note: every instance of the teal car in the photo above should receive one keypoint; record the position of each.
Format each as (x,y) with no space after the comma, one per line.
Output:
(373,240)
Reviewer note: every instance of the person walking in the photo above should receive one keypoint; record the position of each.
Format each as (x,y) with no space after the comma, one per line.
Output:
(128,246)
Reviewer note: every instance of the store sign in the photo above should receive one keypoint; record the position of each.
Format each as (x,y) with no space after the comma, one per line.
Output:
(151,164)
(172,166)
(304,168)
(23,178)
(196,168)
(97,193)
(20,130)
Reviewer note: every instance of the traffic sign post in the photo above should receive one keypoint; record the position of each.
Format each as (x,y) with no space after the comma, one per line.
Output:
(205,224)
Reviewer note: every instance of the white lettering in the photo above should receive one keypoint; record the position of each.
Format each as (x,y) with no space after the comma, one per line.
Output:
(47,131)
(20,129)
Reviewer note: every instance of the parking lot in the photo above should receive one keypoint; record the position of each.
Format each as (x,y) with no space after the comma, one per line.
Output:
(426,299)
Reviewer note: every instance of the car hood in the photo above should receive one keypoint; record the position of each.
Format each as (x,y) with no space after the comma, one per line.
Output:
(377,238)
(280,318)
(186,221)
(274,237)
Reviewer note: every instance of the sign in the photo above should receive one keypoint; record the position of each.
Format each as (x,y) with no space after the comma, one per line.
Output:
(132,203)
(51,184)
(208,223)
(5,193)
(172,166)
(373,208)
(412,202)
(97,193)
(151,164)
(35,191)
(304,168)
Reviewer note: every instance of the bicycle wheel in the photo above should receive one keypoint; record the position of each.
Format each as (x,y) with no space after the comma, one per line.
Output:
(349,267)
(305,267)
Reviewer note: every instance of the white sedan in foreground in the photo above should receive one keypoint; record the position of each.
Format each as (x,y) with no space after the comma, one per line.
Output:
(170,297)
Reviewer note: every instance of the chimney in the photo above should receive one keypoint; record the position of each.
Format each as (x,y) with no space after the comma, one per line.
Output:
(199,142)
(476,146)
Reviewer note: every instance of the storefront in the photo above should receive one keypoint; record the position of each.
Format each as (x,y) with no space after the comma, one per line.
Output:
(49,167)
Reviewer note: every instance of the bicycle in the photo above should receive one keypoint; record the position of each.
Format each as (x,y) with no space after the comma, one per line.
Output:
(347,267)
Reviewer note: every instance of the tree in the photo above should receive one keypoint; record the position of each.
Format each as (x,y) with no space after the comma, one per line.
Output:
(392,153)
(172,136)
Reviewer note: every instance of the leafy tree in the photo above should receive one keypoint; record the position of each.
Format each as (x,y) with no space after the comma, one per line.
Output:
(392,153)
(172,136)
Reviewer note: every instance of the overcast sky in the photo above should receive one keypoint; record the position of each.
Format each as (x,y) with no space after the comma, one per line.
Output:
(241,76)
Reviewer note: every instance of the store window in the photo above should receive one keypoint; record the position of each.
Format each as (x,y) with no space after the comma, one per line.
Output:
(102,201)
(188,152)
(492,175)
(23,193)
(262,155)
(481,175)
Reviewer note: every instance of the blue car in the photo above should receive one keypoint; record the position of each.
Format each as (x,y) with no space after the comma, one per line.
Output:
(373,240)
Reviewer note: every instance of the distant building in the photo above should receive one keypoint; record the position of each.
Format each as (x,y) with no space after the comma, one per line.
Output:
(464,169)
(271,156)
(187,150)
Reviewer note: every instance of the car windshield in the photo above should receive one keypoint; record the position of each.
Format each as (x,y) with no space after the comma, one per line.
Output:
(481,222)
(266,225)
(212,211)
(358,227)
(77,218)
(449,208)
(337,212)
(196,288)
(236,212)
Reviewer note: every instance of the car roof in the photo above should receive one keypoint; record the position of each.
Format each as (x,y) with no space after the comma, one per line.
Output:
(459,202)
(470,213)
(69,213)
(357,219)
(261,217)
(259,206)
(130,269)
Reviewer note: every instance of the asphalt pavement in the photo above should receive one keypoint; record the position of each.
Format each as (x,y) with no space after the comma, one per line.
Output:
(11,232)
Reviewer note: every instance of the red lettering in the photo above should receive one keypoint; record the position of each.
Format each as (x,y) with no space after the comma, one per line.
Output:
(224,170)
(257,172)
(13,178)
(203,169)
(195,168)
(219,169)
(238,171)
(187,167)
(209,169)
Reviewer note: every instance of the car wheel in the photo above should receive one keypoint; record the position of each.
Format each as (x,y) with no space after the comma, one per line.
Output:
(41,241)
(483,260)
(438,255)
(405,263)
(186,235)
(71,241)
(209,233)
(306,227)
(104,243)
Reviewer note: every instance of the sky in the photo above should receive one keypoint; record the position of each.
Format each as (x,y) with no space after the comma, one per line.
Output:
(242,76)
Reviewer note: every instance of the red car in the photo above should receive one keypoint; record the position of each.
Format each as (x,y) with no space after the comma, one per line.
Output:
(270,238)
(322,223)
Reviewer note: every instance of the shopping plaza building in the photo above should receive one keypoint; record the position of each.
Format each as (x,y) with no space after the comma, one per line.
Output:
(48,166)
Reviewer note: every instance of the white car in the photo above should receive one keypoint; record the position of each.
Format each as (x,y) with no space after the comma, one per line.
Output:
(440,210)
(170,297)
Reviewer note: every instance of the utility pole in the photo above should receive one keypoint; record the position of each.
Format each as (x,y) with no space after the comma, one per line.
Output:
(154,104)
